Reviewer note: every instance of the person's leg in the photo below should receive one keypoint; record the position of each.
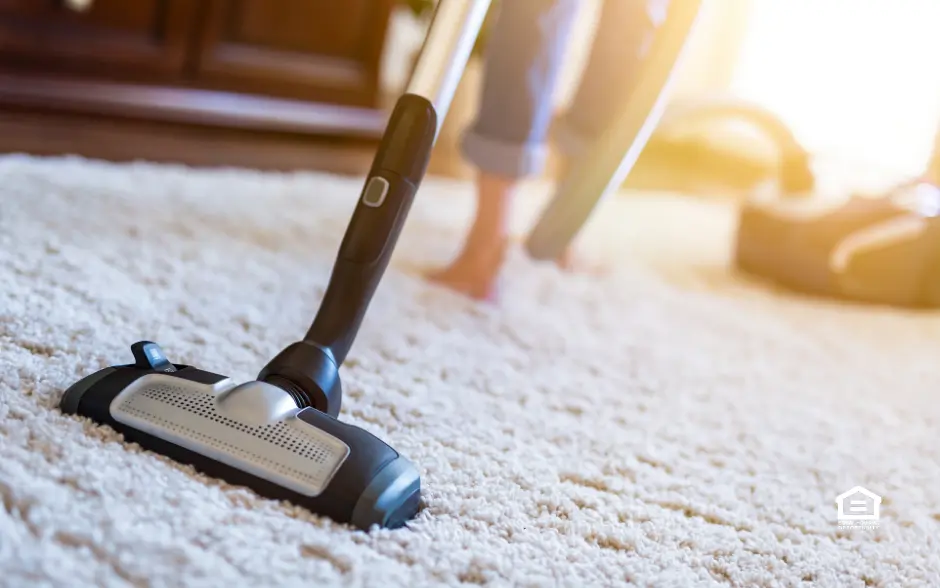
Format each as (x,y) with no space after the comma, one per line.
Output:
(508,140)
(624,34)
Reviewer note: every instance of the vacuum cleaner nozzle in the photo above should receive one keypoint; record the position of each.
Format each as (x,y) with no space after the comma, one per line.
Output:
(255,435)
(279,435)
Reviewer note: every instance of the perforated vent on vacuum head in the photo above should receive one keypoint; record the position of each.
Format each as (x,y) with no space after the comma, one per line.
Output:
(290,452)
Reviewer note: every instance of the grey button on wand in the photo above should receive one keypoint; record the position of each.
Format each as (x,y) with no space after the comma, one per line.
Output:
(375,192)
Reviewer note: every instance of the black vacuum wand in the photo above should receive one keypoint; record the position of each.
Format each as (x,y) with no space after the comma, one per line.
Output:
(280,434)
(308,369)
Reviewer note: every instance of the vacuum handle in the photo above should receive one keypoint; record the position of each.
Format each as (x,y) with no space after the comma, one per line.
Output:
(396,173)
(451,36)
(377,221)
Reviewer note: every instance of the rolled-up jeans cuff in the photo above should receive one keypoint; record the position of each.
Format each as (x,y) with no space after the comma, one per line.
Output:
(501,158)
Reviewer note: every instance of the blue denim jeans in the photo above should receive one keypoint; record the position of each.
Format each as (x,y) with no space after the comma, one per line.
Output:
(524,55)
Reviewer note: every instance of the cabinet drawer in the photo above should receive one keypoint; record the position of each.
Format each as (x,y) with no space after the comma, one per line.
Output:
(323,50)
(129,39)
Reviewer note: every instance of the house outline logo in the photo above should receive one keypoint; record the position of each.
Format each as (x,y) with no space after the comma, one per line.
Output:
(858,506)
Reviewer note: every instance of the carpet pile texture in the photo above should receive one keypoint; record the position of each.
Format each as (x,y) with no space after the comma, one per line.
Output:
(666,423)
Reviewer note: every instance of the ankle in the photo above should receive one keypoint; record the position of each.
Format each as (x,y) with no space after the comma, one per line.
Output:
(494,203)
(485,243)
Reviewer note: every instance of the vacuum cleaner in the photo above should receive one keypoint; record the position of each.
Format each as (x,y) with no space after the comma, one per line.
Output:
(604,167)
(280,435)
(873,249)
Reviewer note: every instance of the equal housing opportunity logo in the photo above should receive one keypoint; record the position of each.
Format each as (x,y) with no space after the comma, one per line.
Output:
(859,508)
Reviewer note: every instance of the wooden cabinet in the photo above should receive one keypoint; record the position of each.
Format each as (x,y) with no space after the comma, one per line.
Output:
(308,66)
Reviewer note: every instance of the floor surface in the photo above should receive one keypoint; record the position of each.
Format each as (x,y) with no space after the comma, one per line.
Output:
(665,424)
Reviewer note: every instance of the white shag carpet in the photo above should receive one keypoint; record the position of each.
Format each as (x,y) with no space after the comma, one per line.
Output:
(667,424)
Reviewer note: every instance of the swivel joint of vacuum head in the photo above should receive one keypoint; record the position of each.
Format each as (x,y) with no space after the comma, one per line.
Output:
(308,373)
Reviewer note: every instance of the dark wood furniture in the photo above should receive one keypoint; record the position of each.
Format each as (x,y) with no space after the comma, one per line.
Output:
(296,68)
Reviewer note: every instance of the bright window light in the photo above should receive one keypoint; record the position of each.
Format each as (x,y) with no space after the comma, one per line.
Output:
(856,79)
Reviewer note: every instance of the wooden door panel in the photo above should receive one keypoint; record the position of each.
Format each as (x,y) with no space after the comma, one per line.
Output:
(324,50)
(125,38)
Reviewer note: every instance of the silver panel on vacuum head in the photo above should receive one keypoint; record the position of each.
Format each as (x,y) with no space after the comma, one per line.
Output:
(287,452)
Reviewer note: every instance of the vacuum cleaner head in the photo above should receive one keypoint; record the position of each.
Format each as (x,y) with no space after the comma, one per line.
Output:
(251,434)
(279,435)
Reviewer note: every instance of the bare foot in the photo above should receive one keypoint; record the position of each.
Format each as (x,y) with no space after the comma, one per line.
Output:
(474,273)
(570,261)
